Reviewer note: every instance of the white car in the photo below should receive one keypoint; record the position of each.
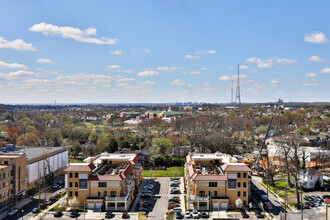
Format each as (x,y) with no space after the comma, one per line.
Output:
(188,215)
(12,212)
(175,181)
(195,214)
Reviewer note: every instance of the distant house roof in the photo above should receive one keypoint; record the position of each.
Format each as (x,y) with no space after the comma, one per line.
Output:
(165,112)
(80,167)
(234,167)
(310,172)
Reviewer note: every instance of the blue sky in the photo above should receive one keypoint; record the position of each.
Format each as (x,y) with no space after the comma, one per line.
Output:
(163,51)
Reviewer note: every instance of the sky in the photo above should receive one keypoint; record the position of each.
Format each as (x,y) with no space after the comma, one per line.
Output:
(164,51)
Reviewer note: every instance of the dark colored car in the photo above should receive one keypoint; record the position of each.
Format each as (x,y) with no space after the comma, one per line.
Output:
(108,215)
(178,215)
(43,205)
(146,195)
(204,215)
(244,214)
(74,214)
(124,215)
(58,214)
(35,210)
(146,202)
(259,214)
(175,191)
(275,211)
(174,185)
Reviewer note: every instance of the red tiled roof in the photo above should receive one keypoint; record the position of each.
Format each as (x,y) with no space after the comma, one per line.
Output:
(211,177)
(135,160)
(188,158)
(104,177)
(127,171)
(236,167)
(80,168)
(191,170)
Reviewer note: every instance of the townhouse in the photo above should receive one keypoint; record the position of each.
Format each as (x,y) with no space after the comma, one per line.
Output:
(107,181)
(215,181)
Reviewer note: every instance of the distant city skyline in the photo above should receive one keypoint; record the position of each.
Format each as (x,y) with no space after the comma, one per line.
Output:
(163,51)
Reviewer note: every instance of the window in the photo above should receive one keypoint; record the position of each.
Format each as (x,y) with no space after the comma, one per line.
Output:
(70,194)
(215,193)
(3,185)
(202,193)
(8,173)
(113,194)
(244,203)
(244,184)
(239,184)
(76,193)
(3,195)
(6,162)
(238,175)
(23,182)
(244,194)
(102,184)
(76,184)
(3,176)
(11,173)
(76,175)
(244,175)
(231,183)
(213,184)
(70,175)
(238,194)
(105,193)
(70,184)
(99,193)
(311,183)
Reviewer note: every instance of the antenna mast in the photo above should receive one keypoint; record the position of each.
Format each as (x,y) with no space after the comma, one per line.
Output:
(238,89)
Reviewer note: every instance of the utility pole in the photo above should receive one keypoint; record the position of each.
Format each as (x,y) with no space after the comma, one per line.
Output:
(232,92)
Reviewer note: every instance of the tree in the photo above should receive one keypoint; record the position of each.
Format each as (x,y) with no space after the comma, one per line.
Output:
(74,203)
(75,149)
(162,145)
(80,134)
(113,145)
(52,136)
(93,137)
(304,130)
(239,203)
(27,139)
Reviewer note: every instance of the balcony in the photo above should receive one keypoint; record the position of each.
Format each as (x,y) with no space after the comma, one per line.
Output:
(122,198)
(198,198)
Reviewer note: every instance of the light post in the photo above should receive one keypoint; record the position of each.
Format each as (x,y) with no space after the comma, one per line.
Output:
(84,209)
(22,213)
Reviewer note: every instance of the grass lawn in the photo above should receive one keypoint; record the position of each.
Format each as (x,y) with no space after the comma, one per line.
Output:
(76,160)
(170,172)
(58,208)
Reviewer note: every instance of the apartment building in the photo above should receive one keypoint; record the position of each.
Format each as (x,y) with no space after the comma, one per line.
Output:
(107,181)
(6,186)
(215,181)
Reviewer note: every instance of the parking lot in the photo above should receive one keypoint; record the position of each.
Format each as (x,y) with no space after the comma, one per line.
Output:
(90,215)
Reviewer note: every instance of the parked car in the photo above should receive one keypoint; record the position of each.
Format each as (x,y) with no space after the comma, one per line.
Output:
(12,212)
(35,210)
(58,214)
(146,202)
(56,186)
(144,209)
(172,206)
(204,215)
(146,195)
(174,185)
(175,191)
(188,215)
(173,203)
(124,215)
(244,214)
(195,214)
(74,214)
(178,215)
(146,191)
(259,214)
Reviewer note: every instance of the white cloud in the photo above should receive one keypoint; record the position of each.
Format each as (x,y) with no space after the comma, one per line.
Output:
(243,67)
(147,50)
(325,70)
(188,56)
(126,80)
(112,67)
(43,60)
(206,84)
(117,52)
(226,78)
(4,65)
(268,63)
(167,68)
(148,83)
(274,83)
(17,44)
(316,59)
(316,37)
(71,32)
(125,71)
(178,82)
(310,84)
(196,72)
(148,72)
(310,74)
(205,52)
(17,74)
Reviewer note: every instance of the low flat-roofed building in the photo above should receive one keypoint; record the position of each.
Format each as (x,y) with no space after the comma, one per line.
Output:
(215,181)
(107,180)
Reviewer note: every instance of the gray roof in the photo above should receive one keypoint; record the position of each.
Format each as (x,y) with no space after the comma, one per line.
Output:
(33,153)
(310,172)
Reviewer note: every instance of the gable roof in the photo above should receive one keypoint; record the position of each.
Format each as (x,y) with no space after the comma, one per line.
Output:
(80,167)
(235,167)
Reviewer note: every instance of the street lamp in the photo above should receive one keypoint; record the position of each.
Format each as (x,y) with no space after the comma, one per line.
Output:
(22,213)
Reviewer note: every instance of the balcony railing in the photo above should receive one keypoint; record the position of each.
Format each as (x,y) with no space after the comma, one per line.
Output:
(198,198)
(123,198)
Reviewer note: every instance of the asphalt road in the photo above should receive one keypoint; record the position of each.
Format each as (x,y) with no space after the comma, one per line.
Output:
(159,208)
(27,211)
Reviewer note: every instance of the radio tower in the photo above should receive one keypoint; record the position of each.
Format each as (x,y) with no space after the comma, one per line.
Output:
(238,89)
(232,92)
